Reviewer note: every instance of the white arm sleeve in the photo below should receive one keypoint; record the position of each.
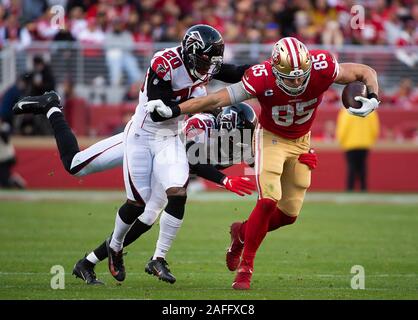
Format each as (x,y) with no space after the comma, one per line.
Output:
(237,93)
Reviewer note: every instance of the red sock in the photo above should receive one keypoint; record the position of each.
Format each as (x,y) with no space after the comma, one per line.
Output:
(274,222)
(256,228)
(277,219)
(242,230)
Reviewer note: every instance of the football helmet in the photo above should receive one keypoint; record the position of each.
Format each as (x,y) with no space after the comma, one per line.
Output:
(231,122)
(290,59)
(239,116)
(203,49)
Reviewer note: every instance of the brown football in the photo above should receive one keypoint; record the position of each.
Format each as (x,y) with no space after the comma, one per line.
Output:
(352,90)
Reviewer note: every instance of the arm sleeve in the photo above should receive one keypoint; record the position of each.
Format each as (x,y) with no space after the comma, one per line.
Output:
(208,172)
(205,171)
(231,73)
(158,88)
(237,93)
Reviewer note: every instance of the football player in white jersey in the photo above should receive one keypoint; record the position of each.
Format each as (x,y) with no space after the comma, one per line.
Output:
(168,78)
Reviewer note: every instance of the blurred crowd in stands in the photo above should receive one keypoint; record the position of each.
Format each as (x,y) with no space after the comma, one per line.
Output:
(240,21)
(116,30)
(118,25)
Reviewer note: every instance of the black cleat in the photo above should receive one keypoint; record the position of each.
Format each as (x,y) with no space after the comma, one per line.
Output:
(84,269)
(37,104)
(115,262)
(159,268)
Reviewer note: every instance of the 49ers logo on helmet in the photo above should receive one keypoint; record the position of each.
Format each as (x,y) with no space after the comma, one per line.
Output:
(296,73)
(276,55)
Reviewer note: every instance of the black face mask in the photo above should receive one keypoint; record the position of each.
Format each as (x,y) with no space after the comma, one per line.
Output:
(202,68)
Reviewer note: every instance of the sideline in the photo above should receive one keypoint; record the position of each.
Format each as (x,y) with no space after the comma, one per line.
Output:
(96,196)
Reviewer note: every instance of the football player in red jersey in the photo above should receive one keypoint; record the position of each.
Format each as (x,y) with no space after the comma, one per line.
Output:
(289,87)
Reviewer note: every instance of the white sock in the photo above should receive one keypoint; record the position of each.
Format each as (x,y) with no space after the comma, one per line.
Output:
(52,110)
(119,233)
(92,258)
(169,226)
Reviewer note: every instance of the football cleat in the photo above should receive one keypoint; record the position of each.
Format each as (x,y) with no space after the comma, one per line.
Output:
(84,269)
(159,268)
(37,104)
(115,262)
(233,254)
(243,278)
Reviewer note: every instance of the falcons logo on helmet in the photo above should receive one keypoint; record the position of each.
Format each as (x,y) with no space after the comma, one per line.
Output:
(195,40)
(229,121)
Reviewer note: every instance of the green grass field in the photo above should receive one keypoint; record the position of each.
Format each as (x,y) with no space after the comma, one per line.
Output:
(309,260)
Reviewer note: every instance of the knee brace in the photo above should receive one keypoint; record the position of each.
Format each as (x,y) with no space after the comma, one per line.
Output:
(129,212)
(175,206)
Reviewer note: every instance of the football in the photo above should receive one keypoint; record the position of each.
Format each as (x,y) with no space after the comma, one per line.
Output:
(352,90)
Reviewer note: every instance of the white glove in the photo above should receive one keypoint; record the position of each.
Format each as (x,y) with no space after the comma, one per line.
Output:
(368,105)
(161,108)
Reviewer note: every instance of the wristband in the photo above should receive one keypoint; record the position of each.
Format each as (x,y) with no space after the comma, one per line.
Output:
(176,111)
(372,95)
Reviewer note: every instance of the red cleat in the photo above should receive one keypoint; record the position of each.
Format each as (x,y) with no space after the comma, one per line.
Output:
(233,255)
(243,278)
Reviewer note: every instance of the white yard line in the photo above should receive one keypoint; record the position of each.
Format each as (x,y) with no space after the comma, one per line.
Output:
(376,275)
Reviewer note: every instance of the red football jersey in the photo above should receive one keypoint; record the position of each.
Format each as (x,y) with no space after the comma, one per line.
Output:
(289,116)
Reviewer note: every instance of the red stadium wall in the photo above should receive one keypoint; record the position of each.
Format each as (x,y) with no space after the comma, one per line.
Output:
(42,169)
(388,171)
(103,120)
(392,166)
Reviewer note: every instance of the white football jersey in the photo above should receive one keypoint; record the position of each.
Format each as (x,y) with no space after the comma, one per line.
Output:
(169,66)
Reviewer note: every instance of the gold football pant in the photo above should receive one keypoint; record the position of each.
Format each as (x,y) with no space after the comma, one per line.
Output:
(280,175)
